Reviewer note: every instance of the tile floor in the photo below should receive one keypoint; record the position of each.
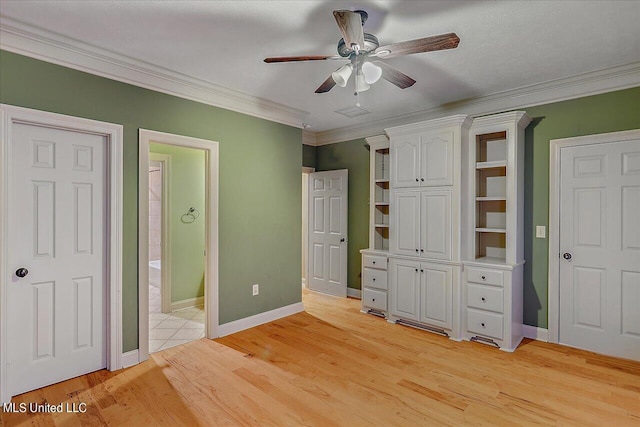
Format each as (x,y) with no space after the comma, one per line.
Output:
(171,329)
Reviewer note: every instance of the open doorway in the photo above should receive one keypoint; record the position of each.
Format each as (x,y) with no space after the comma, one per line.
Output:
(178,272)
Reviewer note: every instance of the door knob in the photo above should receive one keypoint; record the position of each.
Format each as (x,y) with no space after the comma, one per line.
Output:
(22,272)
(343,240)
(567,256)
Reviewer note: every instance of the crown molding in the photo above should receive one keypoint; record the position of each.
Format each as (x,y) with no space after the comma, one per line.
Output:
(28,40)
(586,84)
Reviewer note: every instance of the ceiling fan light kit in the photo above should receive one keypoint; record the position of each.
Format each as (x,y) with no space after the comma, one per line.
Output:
(358,46)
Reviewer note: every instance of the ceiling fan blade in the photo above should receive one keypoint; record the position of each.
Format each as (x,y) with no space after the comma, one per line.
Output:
(350,24)
(427,44)
(394,76)
(326,86)
(301,58)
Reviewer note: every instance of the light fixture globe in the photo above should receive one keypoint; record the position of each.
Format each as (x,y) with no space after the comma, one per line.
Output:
(342,74)
(372,73)
(361,83)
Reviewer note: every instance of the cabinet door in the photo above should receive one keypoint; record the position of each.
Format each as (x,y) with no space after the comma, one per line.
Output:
(435,224)
(406,162)
(405,289)
(405,230)
(436,297)
(436,162)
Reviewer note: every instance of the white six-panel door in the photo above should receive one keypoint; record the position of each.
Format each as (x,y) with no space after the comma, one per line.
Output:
(56,312)
(600,248)
(328,196)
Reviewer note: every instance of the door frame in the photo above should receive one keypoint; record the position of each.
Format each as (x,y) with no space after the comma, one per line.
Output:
(211,149)
(305,225)
(10,115)
(165,227)
(555,147)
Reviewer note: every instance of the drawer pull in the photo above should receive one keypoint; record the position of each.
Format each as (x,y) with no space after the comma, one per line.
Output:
(374,279)
(374,262)
(483,298)
(483,325)
(484,278)
(374,300)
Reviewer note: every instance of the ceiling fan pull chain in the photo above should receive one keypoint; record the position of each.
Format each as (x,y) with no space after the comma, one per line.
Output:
(355,82)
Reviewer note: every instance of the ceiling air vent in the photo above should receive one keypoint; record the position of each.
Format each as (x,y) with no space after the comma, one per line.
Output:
(352,111)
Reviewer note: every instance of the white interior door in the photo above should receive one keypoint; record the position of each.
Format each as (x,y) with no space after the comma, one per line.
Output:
(56,305)
(328,197)
(600,248)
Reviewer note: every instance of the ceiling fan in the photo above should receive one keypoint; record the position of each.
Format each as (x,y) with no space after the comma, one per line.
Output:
(360,47)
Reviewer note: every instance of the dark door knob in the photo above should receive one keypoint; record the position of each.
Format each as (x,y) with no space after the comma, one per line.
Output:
(567,256)
(22,272)
(342,240)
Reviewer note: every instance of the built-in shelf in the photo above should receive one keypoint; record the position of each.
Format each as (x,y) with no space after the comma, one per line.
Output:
(490,261)
(382,204)
(491,199)
(381,225)
(491,230)
(493,164)
(382,181)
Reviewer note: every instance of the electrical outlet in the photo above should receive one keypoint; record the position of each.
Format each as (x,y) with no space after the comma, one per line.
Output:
(541,231)
(256,289)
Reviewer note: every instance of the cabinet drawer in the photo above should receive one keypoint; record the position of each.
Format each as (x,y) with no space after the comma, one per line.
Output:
(374,299)
(374,278)
(484,323)
(485,297)
(485,277)
(373,261)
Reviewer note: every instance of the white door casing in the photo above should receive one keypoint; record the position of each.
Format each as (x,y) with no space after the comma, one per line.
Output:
(328,197)
(595,288)
(61,220)
(164,160)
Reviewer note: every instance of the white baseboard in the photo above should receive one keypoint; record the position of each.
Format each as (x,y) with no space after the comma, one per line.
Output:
(130,358)
(186,303)
(259,319)
(535,333)
(354,293)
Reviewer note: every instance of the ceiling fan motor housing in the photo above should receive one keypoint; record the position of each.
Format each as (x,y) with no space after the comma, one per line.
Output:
(370,44)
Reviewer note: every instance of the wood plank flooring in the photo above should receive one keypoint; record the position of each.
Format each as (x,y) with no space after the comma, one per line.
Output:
(334,366)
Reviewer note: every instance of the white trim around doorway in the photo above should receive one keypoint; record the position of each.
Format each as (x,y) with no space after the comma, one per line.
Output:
(10,115)
(211,149)
(165,227)
(555,147)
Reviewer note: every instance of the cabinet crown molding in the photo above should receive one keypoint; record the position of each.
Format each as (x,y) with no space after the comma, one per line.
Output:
(461,120)
(377,141)
(520,118)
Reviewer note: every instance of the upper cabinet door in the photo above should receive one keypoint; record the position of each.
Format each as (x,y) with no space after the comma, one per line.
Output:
(436,159)
(406,161)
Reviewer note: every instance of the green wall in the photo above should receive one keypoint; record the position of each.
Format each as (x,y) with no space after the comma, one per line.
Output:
(354,156)
(608,112)
(187,239)
(260,187)
(309,156)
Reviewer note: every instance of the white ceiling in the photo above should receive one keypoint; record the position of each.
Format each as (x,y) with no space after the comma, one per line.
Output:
(511,46)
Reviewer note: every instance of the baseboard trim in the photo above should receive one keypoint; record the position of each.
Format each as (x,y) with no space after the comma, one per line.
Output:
(130,358)
(186,303)
(354,293)
(259,319)
(535,333)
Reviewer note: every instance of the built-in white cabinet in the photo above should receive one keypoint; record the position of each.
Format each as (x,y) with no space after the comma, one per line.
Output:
(446,227)
(494,256)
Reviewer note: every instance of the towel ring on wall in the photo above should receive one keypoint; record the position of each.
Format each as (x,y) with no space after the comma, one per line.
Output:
(191,215)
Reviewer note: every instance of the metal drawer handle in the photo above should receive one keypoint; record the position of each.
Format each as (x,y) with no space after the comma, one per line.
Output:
(374,279)
(374,300)
(484,278)
(483,325)
(374,262)
(483,299)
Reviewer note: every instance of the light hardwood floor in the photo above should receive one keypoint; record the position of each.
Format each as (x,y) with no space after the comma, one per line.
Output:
(333,365)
